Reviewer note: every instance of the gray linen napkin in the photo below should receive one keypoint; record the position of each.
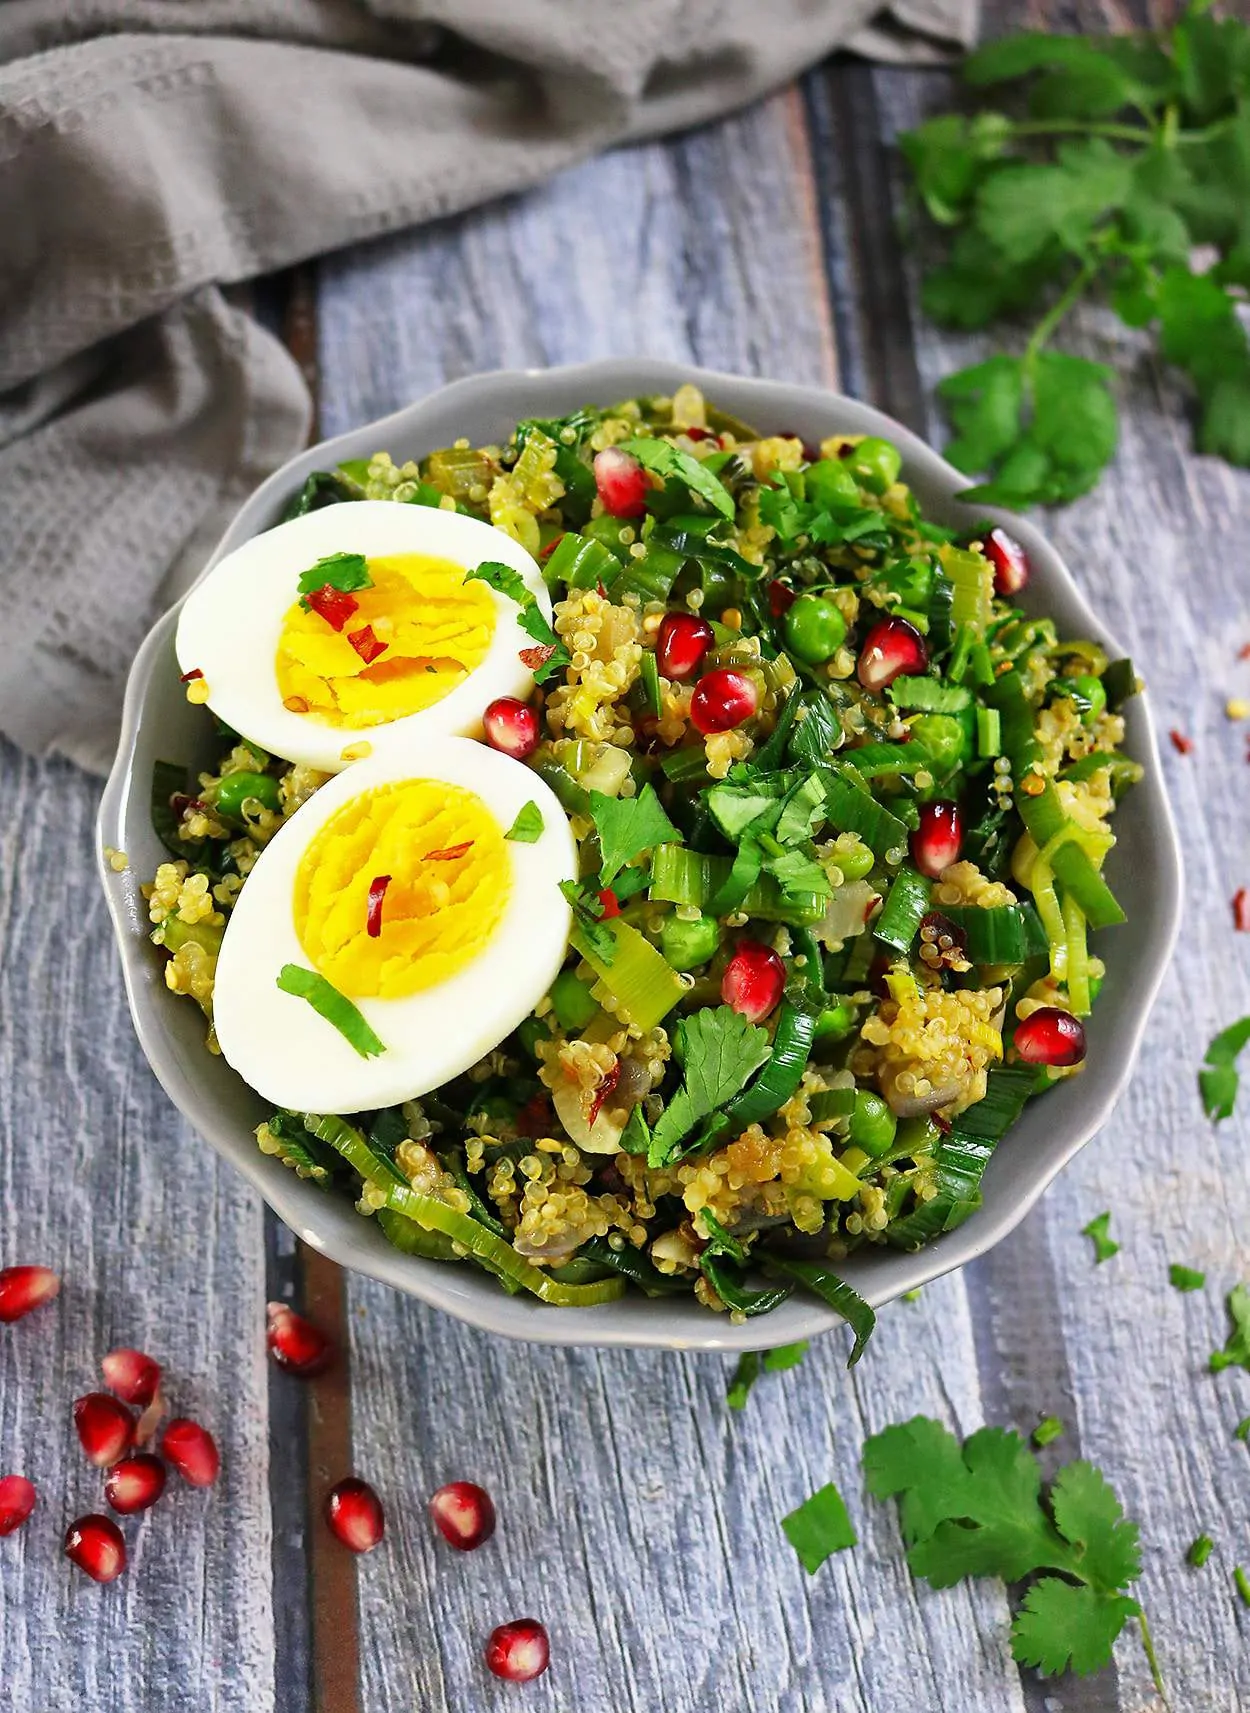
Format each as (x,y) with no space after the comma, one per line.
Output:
(154,151)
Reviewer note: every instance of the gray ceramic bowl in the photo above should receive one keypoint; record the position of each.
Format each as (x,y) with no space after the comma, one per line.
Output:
(159,724)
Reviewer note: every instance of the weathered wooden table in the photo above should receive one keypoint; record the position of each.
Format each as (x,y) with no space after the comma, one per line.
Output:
(638,1517)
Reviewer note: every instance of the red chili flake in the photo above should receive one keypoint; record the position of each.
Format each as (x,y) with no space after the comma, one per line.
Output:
(600,590)
(609,902)
(943,1123)
(449,853)
(1180,743)
(546,552)
(1243,653)
(377,892)
(180,804)
(333,605)
(366,644)
(603,1091)
(536,657)
(781,597)
(1241,910)
(188,676)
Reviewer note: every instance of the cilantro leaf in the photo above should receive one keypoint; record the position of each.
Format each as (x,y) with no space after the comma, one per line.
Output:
(1097,1231)
(819,1527)
(1012,1535)
(1022,209)
(1061,1625)
(784,1356)
(744,1377)
(1236,1351)
(628,826)
(534,622)
(720,1050)
(342,571)
(920,1463)
(667,461)
(1186,1278)
(527,829)
(1218,1080)
(587,919)
(1199,331)
(949,154)
(1087,1513)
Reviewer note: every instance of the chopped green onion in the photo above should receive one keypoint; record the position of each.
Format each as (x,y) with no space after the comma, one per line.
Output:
(906,903)
(851,808)
(580,562)
(528,826)
(1200,1551)
(1047,1431)
(929,695)
(888,760)
(1242,1430)
(781,1074)
(335,1007)
(638,985)
(683,765)
(1241,1582)
(989,733)
(1098,1232)
(840,1296)
(649,676)
(1002,934)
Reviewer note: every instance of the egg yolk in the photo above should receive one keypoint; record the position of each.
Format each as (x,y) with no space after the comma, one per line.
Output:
(435,628)
(451,875)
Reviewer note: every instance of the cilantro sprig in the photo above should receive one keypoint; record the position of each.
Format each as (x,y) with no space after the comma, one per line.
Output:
(977,1509)
(1124,154)
(550,655)
(719,1050)
(628,827)
(1218,1080)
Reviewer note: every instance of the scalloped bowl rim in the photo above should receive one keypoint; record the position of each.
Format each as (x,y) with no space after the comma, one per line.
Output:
(224,1110)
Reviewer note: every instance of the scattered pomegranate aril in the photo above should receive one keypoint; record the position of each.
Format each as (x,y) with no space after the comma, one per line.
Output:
(722,700)
(621,481)
(1050,1036)
(1010,562)
(354,1513)
(1180,743)
(132,1375)
(192,1450)
(518,1651)
(94,1543)
(1241,910)
(135,1483)
(753,980)
(683,641)
(512,727)
(296,1344)
(106,1428)
(781,597)
(936,842)
(17,1501)
(464,1514)
(892,648)
(24,1288)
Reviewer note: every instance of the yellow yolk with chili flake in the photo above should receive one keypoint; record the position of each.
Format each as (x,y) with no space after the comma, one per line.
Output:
(450,871)
(437,629)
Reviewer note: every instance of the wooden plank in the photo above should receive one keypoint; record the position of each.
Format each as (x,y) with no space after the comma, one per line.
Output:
(161,1247)
(637,1517)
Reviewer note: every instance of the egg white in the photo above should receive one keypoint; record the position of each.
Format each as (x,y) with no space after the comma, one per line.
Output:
(231,624)
(292,1056)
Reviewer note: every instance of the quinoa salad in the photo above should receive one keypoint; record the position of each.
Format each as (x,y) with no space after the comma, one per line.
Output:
(796,821)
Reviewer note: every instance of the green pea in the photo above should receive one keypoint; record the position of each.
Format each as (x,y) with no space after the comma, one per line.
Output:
(912,581)
(829,483)
(835,1023)
(530,1033)
(875,464)
(686,945)
(852,856)
(872,1123)
(815,629)
(1095,696)
(236,788)
(944,737)
(572,1002)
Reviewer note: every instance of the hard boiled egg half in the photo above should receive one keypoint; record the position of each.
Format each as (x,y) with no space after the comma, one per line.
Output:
(409,645)
(391,933)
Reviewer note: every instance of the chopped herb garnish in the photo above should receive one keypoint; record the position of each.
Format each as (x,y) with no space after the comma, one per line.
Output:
(669,463)
(720,1050)
(753,1362)
(1236,1351)
(819,1528)
(1199,1551)
(1241,1582)
(342,571)
(1186,1278)
(335,1007)
(527,829)
(1242,1430)
(977,1509)
(534,622)
(628,827)
(1097,1231)
(1218,1079)
(588,912)
(1049,1429)
(784,1356)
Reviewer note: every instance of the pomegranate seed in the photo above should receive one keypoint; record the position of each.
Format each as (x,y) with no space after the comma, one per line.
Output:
(132,1375)
(512,727)
(753,980)
(354,1512)
(1010,562)
(1241,910)
(24,1288)
(891,648)
(682,643)
(518,1651)
(135,1483)
(105,1426)
(17,1501)
(95,1545)
(1180,743)
(621,481)
(1050,1036)
(781,597)
(722,700)
(296,1344)
(936,842)
(192,1450)
(464,1514)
